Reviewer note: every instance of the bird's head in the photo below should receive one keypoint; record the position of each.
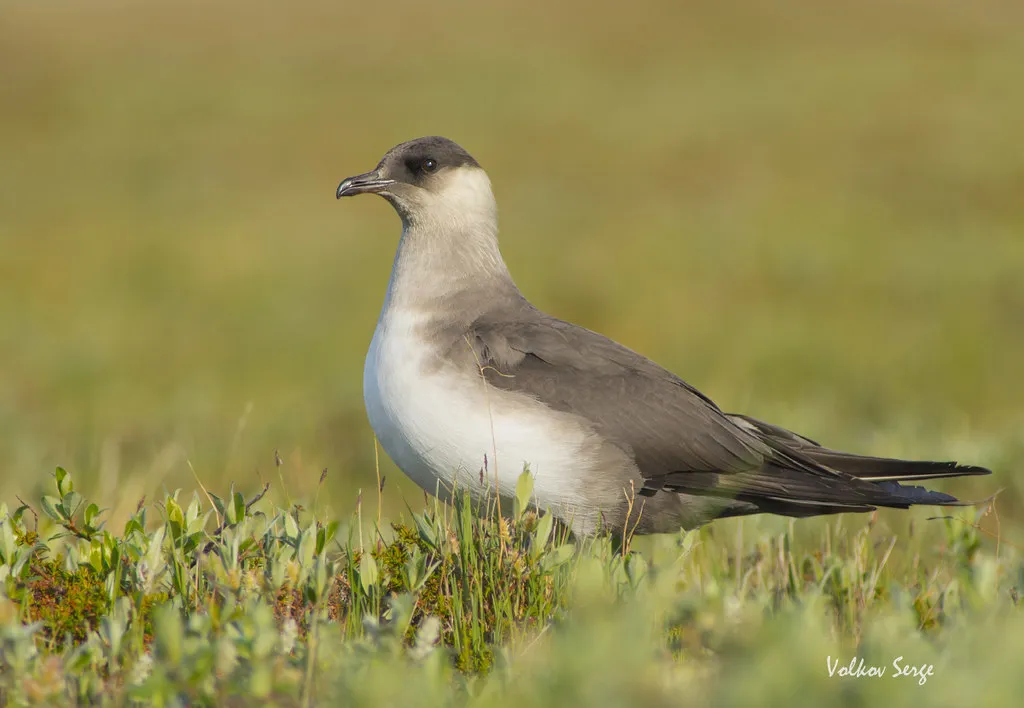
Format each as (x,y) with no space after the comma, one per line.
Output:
(429,179)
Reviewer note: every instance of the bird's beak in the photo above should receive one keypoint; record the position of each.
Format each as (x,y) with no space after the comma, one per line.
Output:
(368,183)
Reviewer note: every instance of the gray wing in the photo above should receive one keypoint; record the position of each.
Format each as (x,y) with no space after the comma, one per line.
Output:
(680,440)
(663,422)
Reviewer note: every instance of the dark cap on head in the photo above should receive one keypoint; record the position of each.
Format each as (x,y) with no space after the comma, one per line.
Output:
(445,152)
(413,163)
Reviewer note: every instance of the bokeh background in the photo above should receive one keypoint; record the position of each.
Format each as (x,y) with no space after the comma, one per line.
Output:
(812,211)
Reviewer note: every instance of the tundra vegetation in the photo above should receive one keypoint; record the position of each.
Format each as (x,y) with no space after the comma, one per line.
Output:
(218,600)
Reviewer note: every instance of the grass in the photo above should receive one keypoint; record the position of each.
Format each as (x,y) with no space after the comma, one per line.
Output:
(811,212)
(238,602)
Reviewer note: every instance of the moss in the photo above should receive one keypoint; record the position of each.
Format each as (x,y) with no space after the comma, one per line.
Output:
(68,603)
(392,557)
(480,661)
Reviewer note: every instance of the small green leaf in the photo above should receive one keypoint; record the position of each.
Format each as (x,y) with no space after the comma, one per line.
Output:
(291,528)
(154,554)
(417,571)
(557,557)
(133,525)
(367,572)
(324,535)
(524,490)
(50,508)
(174,512)
(72,502)
(686,541)
(305,552)
(218,503)
(239,508)
(193,511)
(96,556)
(426,530)
(62,476)
(90,513)
(321,579)
(197,524)
(6,543)
(636,569)
(541,534)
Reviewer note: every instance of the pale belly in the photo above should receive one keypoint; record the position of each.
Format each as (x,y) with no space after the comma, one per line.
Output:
(446,428)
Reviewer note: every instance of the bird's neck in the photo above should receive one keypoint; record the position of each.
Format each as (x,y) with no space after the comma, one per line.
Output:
(448,257)
(433,271)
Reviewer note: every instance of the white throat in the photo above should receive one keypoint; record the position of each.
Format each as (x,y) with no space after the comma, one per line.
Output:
(449,242)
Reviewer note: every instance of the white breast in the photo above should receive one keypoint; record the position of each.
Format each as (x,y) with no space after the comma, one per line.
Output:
(439,424)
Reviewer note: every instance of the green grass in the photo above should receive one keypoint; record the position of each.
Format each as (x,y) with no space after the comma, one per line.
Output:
(811,212)
(239,601)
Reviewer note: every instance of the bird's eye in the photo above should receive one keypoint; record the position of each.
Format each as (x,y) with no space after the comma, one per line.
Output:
(428,165)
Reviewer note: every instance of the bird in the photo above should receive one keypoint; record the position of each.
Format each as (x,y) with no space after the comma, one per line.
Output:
(467,386)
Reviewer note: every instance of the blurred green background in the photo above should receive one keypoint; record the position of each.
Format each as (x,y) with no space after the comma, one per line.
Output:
(812,211)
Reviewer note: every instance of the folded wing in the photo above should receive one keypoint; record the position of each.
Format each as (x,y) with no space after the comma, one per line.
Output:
(680,440)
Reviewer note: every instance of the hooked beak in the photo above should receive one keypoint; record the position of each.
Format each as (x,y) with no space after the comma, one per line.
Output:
(368,183)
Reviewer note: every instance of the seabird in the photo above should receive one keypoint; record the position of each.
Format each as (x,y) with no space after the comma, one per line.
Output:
(466,384)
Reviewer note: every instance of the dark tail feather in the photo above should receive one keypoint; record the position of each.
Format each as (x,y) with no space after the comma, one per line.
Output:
(877,469)
(802,478)
(826,482)
(904,498)
(882,469)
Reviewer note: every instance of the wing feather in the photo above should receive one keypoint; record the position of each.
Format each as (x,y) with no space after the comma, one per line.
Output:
(680,440)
